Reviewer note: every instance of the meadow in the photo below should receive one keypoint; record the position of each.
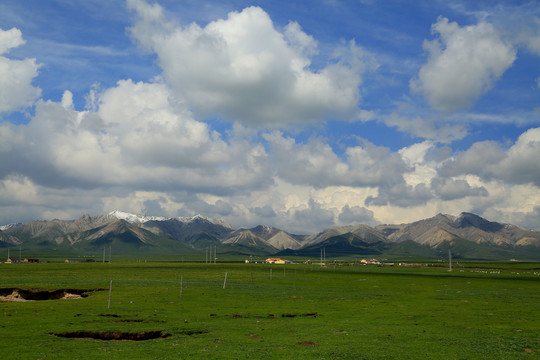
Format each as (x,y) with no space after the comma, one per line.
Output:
(249,311)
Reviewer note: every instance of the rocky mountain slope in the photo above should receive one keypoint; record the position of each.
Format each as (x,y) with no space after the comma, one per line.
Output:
(468,235)
(436,230)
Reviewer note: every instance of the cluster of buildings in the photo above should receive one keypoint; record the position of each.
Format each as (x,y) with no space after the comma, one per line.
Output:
(370,262)
(15,260)
(272,260)
(277,261)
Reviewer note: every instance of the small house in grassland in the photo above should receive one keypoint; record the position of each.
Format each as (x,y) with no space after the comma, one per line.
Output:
(276,261)
(13,260)
(31,260)
(370,262)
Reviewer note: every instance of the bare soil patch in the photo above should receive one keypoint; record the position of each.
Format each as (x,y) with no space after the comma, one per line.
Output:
(307,343)
(18,294)
(194,332)
(121,320)
(110,315)
(114,335)
(314,314)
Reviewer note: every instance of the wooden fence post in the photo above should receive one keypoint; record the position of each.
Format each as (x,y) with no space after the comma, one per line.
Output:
(110,292)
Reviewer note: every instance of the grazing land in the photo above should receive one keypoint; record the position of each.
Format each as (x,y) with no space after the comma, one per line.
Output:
(165,310)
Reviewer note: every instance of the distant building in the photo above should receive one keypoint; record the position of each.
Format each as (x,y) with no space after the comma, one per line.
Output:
(13,260)
(73,260)
(31,260)
(370,262)
(277,261)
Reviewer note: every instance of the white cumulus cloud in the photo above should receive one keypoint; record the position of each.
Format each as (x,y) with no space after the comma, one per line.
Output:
(317,164)
(16,76)
(243,68)
(463,63)
(516,165)
(137,139)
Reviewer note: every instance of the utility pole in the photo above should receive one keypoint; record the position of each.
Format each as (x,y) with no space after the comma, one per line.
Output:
(450,260)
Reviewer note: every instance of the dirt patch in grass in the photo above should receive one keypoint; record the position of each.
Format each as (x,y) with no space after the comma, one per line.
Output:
(194,332)
(269,316)
(314,314)
(114,335)
(110,315)
(307,343)
(120,319)
(18,294)
(131,320)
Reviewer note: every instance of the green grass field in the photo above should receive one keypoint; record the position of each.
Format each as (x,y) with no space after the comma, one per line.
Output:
(276,311)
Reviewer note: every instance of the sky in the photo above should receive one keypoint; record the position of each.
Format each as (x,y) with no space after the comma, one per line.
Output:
(301,115)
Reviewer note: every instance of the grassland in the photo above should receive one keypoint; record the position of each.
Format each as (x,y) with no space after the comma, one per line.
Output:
(277,312)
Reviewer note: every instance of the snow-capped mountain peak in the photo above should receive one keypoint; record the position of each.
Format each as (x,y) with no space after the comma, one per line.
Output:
(9,226)
(141,219)
(202,217)
(135,219)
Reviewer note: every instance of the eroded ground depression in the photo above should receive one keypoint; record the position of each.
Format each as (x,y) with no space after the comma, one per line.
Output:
(18,294)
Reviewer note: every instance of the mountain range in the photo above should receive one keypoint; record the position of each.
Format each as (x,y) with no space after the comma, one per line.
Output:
(468,236)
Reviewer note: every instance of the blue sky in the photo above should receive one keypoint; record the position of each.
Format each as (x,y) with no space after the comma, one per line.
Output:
(301,115)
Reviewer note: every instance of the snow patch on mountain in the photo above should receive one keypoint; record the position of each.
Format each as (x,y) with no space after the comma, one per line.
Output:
(135,219)
(9,226)
(141,219)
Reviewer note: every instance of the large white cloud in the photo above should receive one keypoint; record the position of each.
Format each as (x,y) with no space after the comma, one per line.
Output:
(463,63)
(520,165)
(516,165)
(16,76)
(451,189)
(243,68)
(316,163)
(136,139)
